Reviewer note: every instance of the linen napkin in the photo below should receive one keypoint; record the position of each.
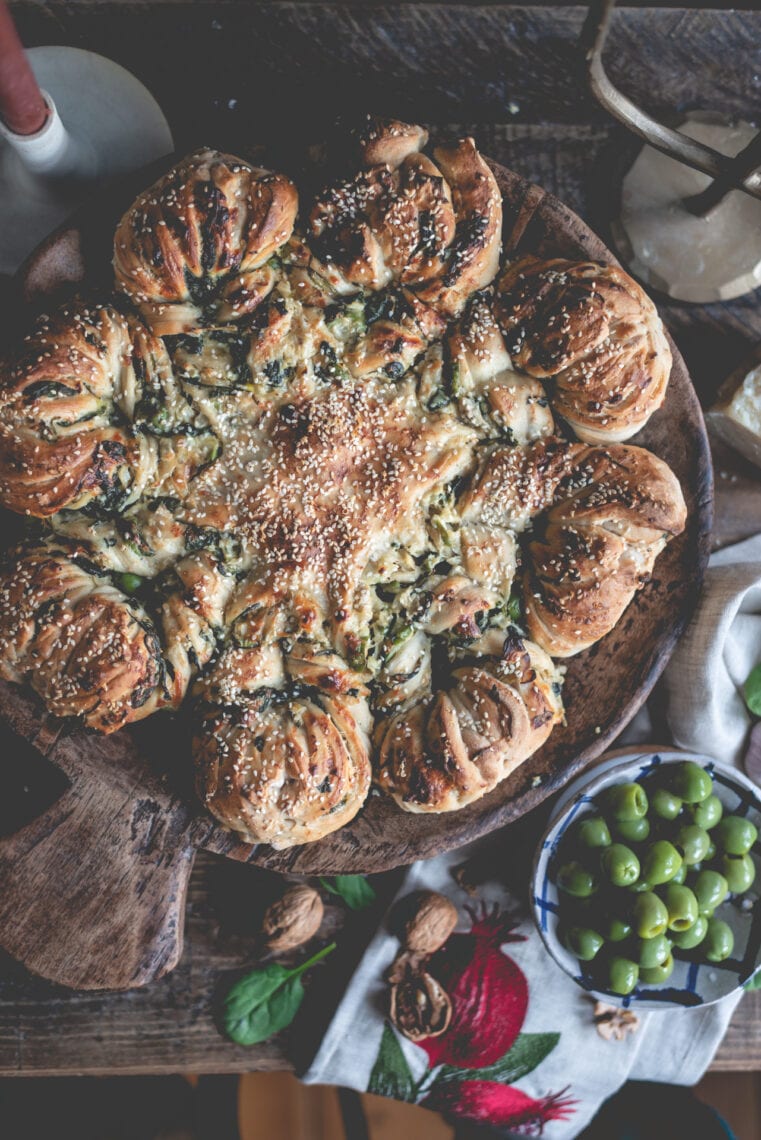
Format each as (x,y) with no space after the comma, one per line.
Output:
(705,677)
(522,1050)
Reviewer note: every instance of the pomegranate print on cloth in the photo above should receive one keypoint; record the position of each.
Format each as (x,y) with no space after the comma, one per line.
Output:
(518,1049)
(473,1065)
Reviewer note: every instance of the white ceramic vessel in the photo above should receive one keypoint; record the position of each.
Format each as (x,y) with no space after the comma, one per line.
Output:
(692,982)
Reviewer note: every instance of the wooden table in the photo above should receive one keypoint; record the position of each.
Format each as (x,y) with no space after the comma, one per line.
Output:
(237,71)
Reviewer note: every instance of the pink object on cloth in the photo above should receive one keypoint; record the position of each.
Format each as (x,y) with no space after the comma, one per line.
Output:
(522,1050)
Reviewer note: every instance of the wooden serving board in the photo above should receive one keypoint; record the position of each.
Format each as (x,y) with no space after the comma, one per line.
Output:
(94,888)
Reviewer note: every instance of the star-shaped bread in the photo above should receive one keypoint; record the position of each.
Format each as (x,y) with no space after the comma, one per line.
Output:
(336,476)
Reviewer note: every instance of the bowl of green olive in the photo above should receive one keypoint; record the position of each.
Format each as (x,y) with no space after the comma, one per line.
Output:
(646,883)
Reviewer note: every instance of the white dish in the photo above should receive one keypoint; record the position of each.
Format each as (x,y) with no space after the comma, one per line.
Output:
(692,983)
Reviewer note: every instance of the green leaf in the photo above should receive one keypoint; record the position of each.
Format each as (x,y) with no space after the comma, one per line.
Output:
(752,691)
(528,1051)
(355,890)
(266,1000)
(391,1074)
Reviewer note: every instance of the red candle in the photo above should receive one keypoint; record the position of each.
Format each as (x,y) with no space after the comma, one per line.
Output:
(22,106)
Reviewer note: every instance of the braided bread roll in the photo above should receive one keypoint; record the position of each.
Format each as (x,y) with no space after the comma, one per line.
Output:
(610,512)
(447,750)
(433,227)
(86,648)
(193,249)
(91,413)
(596,334)
(490,394)
(192,619)
(282,747)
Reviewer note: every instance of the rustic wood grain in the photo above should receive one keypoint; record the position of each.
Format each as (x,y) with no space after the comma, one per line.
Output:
(225,69)
(98,880)
(171,1025)
(555,137)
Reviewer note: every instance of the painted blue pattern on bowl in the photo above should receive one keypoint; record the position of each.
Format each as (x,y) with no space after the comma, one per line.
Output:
(691,983)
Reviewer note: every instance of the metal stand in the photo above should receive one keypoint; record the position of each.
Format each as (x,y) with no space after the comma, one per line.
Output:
(691,208)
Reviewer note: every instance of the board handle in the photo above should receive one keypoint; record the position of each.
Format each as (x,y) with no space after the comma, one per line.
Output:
(92,892)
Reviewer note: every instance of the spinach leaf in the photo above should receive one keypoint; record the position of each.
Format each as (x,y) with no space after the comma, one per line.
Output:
(514,608)
(355,890)
(752,691)
(266,1000)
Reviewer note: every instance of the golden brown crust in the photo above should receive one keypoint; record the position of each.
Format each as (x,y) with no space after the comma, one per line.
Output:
(87,649)
(77,414)
(192,619)
(596,334)
(282,751)
(434,227)
(490,394)
(610,511)
(387,142)
(195,244)
(472,259)
(446,751)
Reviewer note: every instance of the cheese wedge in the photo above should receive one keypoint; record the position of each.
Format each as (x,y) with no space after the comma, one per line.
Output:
(736,415)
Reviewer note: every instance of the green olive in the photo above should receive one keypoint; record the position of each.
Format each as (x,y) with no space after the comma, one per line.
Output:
(130,583)
(593,832)
(577,880)
(710,889)
(619,864)
(694,842)
(640,886)
(681,905)
(681,875)
(626,801)
(719,941)
(665,804)
(691,782)
(654,975)
(711,852)
(653,951)
(623,975)
(632,830)
(708,813)
(616,929)
(660,862)
(736,835)
(739,871)
(649,915)
(583,942)
(693,936)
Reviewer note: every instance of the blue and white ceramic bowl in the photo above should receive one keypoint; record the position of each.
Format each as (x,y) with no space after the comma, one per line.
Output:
(691,983)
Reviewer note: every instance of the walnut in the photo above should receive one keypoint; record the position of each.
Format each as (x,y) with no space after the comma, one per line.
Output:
(407,964)
(429,927)
(420,1007)
(614,1023)
(292,919)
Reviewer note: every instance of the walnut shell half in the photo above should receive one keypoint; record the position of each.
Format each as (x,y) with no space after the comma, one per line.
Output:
(420,1007)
